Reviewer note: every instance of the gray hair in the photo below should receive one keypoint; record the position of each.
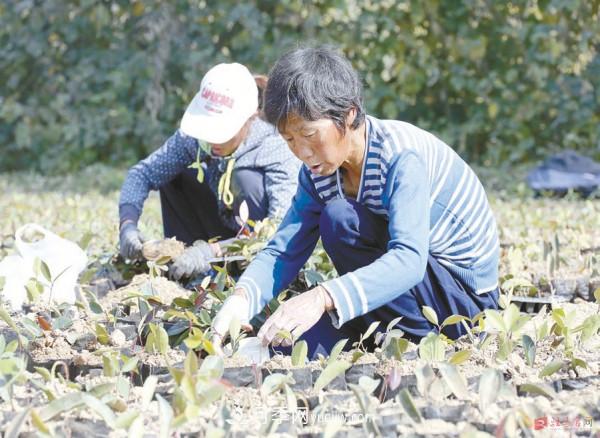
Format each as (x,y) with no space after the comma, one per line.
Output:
(314,83)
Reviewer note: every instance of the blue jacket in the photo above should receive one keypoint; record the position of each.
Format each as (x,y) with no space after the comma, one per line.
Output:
(434,204)
(264,149)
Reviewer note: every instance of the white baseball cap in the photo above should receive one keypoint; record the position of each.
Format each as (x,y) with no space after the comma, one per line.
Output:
(228,96)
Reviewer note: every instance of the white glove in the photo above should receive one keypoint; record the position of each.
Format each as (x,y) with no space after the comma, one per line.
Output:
(235,306)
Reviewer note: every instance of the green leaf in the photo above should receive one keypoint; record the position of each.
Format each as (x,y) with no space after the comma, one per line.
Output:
(460,357)
(494,321)
(194,339)
(211,392)
(102,334)
(529,350)
(330,372)
(368,384)
(99,408)
(576,362)
(430,315)
(455,381)
(336,350)
(64,404)
(538,389)
(490,384)
(212,367)
(597,295)
(7,319)
(274,382)
(551,368)
(432,348)
(44,373)
(395,347)
(299,353)
(13,430)
(136,430)
(590,327)
(129,364)
(371,329)
(85,240)
(165,416)
(409,406)
(454,319)
(425,377)
(126,419)
(356,354)
(38,423)
(392,323)
(190,364)
(234,328)
(148,391)
(162,340)
(45,271)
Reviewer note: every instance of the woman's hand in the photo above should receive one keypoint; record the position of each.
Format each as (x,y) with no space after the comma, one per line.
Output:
(236,306)
(296,316)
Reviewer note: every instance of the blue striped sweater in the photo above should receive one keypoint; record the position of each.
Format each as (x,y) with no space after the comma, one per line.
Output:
(434,204)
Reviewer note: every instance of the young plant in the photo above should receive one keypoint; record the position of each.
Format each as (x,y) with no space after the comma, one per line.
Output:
(392,343)
(507,326)
(277,382)
(196,387)
(368,404)
(157,341)
(359,347)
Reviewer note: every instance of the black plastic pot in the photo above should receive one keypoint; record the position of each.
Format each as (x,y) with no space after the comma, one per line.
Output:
(303,377)
(355,372)
(240,376)
(338,383)
(408,381)
(450,413)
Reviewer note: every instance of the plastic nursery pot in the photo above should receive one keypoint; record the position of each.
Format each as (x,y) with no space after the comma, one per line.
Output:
(408,381)
(303,377)
(240,376)
(451,413)
(356,371)
(339,382)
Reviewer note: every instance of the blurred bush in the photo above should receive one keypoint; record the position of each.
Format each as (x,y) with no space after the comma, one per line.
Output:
(106,81)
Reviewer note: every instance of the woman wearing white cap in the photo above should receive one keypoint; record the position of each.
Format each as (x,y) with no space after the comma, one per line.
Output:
(222,154)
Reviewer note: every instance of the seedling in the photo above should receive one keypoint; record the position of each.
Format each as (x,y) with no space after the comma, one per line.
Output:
(359,347)
(157,340)
(507,326)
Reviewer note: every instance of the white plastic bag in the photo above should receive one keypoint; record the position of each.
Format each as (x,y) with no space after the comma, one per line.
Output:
(64,259)
(252,349)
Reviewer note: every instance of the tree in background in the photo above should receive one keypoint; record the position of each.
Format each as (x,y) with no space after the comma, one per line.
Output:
(106,81)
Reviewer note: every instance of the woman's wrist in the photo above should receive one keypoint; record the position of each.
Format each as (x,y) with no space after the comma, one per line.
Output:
(328,301)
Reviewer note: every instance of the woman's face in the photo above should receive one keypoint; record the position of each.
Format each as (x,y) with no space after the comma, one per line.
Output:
(229,147)
(318,144)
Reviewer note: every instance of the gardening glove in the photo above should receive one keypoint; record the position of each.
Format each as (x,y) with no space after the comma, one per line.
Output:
(130,241)
(235,306)
(193,261)
(296,316)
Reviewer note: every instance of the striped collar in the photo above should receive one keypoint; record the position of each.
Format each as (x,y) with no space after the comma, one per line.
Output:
(330,187)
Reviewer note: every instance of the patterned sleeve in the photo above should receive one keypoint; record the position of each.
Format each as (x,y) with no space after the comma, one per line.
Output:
(281,175)
(154,171)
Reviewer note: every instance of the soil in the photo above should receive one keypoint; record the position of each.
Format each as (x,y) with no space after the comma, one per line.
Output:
(280,361)
(156,249)
(161,287)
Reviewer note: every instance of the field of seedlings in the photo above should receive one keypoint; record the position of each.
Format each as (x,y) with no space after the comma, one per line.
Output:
(132,356)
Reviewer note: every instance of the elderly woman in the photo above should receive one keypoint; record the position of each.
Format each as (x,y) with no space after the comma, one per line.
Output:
(222,155)
(404,219)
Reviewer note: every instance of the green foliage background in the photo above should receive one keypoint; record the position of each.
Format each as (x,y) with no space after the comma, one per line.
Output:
(107,81)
